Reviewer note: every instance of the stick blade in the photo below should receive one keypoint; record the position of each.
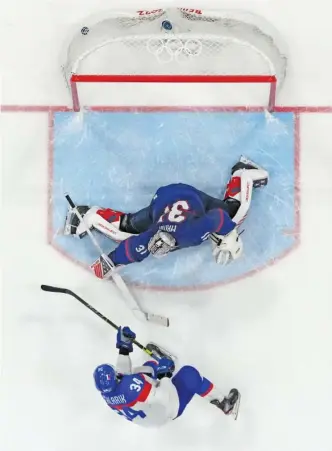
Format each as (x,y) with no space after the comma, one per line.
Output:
(52,289)
(158,319)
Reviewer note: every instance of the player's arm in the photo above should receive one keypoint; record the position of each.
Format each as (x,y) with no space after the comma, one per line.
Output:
(134,249)
(219,221)
(124,343)
(217,225)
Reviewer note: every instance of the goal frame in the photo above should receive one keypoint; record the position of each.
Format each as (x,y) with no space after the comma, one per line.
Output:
(128,78)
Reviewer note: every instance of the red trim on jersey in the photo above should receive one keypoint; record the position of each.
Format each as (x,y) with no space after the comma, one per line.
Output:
(207,391)
(127,251)
(222,217)
(142,396)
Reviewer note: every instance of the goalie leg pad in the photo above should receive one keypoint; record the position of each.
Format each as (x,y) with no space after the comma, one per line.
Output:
(108,222)
(105,220)
(246,175)
(260,176)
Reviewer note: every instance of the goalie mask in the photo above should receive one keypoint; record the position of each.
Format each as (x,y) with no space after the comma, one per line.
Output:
(161,244)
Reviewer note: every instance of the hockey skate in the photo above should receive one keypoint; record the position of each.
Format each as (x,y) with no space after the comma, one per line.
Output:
(244,163)
(159,352)
(230,404)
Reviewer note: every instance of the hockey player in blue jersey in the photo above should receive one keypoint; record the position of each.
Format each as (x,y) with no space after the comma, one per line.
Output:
(178,216)
(155,394)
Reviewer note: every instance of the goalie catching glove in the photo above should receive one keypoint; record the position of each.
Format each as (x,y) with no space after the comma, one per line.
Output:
(226,248)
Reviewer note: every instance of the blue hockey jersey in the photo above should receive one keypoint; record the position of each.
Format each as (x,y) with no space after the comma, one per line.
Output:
(140,399)
(184,212)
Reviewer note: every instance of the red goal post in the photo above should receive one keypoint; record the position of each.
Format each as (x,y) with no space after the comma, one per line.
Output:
(269,79)
(201,47)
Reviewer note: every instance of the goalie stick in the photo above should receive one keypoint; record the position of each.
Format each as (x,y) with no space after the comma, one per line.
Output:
(119,282)
(51,289)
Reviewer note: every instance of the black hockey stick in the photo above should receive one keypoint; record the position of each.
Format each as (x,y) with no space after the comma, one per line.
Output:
(52,289)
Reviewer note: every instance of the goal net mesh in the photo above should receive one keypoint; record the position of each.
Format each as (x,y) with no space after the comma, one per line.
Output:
(175,41)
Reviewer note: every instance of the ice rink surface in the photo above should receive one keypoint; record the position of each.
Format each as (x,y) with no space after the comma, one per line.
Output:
(269,335)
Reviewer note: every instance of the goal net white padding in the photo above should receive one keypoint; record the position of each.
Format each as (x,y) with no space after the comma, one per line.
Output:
(175,41)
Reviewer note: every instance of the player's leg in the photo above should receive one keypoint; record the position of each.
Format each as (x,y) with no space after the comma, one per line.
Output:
(229,205)
(189,382)
(137,222)
(210,202)
(105,220)
(114,224)
(246,175)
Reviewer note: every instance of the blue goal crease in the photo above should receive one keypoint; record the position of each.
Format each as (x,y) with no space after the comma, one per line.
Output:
(119,159)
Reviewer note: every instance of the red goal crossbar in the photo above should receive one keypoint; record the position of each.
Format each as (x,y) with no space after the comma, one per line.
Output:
(75,78)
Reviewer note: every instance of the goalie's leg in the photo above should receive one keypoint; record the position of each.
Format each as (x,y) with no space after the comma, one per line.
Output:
(246,175)
(112,223)
(105,220)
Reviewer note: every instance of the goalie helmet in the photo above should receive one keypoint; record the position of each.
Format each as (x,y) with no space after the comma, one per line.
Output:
(105,378)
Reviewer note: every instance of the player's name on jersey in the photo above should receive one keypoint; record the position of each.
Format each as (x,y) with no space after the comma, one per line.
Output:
(120,399)
(168,228)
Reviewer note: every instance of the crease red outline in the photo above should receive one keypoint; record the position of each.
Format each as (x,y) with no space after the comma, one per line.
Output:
(296,232)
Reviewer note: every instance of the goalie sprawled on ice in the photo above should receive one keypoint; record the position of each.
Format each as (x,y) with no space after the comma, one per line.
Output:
(178,216)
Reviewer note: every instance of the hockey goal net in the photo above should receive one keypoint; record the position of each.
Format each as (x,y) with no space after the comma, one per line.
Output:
(177,46)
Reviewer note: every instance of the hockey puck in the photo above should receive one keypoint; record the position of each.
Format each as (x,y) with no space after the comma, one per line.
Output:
(85,30)
(166,24)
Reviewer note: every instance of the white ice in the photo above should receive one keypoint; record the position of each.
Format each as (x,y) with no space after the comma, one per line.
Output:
(269,335)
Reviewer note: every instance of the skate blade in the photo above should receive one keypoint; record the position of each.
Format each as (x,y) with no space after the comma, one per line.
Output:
(246,160)
(236,408)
